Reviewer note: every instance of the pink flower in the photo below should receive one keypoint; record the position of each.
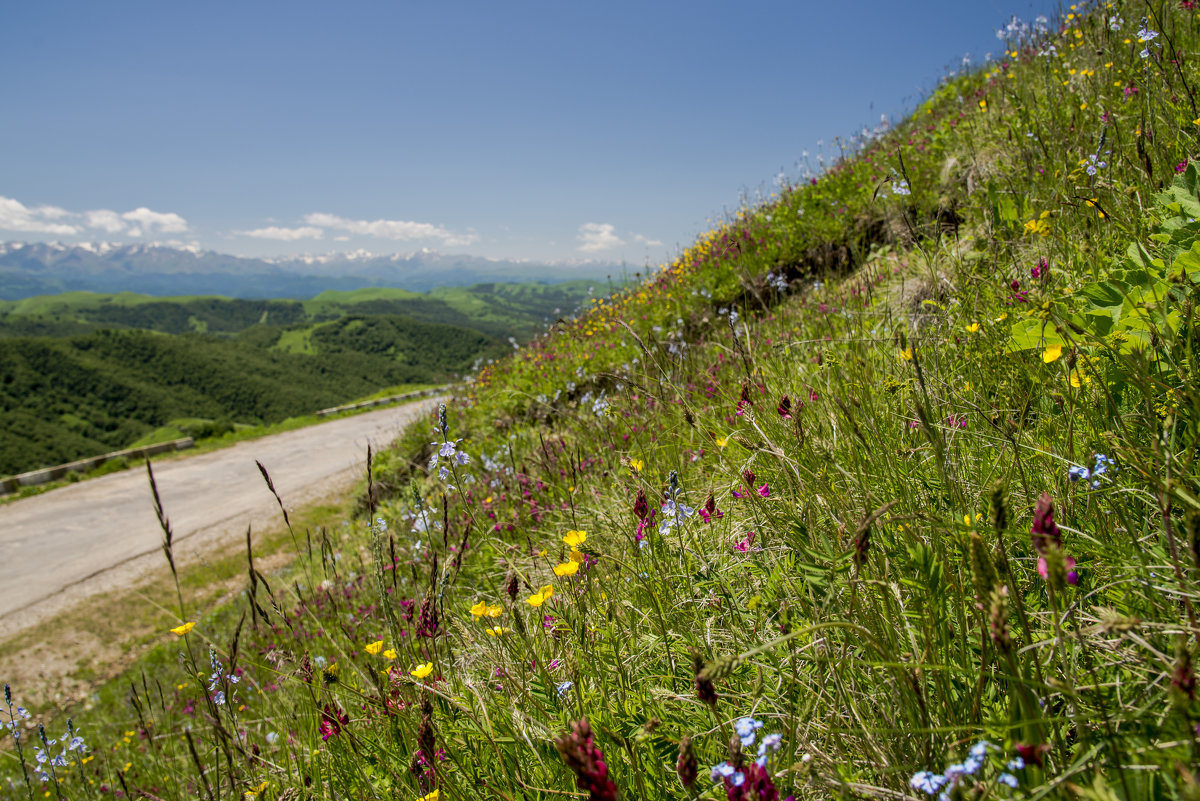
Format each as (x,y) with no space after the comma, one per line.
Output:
(745,543)
(1043,569)
(764,491)
(333,719)
(785,408)
(710,512)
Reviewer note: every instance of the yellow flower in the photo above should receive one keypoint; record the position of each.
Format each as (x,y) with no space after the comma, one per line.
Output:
(575,538)
(390,654)
(575,555)
(906,354)
(254,792)
(478,609)
(1051,353)
(566,569)
(539,598)
(1078,379)
(972,328)
(421,671)
(496,631)
(431,797)
(494,611)
(374,647)
(722,441)
(183,628)
(637,465)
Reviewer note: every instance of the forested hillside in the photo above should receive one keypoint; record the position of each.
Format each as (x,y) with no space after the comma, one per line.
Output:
(82,374)
(66,398)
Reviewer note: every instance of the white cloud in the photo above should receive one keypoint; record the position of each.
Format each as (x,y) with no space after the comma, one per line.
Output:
(167,223)
(650,243)
(389,229)
(285,234)
(598,236)
(16,216)
(105,220)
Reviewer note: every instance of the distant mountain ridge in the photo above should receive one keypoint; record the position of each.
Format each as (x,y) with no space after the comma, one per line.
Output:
(39,268)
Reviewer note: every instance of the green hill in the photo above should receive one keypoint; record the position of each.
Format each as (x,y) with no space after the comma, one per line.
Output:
(66,398)
(71,388)
(502,310)
(886,487)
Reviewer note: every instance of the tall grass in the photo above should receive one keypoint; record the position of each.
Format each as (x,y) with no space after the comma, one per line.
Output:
(884,488)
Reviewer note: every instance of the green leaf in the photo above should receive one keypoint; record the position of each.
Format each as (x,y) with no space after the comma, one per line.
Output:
(1034,333)
(1105,294)
(1187,263)
(1184,191)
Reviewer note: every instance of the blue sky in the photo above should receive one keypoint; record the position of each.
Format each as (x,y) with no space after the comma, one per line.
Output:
(557,130)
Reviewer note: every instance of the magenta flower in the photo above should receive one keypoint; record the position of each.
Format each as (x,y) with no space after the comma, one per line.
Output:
(1044,532)
(753,784)
(746,542)
(585,759)
(1043,569)
(764,491)
(785,408)
(333,720)
(710,512)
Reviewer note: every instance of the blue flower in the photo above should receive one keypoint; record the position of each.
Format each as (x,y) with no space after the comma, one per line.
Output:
(901,187)
(745,728)
(1078,473)
(927,781)
(564,688)
(1008,779)
(1016,763)
(722,771)
(980,749)
(770,742)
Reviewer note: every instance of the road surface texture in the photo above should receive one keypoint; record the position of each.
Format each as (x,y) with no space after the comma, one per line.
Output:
(98,535)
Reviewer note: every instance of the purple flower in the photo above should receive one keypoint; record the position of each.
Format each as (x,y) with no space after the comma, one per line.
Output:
(585,759)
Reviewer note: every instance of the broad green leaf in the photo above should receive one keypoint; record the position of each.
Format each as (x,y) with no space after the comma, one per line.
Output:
(1034,333)
(1187,263)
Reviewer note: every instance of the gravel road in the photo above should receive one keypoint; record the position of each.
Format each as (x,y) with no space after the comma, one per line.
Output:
(64,545)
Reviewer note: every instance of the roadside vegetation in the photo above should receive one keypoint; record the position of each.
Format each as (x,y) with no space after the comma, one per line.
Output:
(884,488)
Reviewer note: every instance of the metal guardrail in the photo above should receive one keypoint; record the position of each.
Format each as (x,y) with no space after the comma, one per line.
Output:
(422,393)
(48,474)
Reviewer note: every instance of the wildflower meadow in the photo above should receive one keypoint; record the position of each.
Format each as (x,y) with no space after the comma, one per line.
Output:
(885,487)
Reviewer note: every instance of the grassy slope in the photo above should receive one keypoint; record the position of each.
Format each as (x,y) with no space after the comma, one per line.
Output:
(910,373)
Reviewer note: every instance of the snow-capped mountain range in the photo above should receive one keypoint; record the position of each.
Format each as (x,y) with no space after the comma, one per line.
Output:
(40,268)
